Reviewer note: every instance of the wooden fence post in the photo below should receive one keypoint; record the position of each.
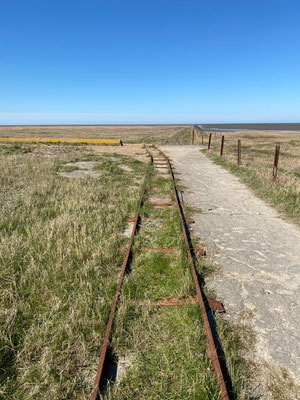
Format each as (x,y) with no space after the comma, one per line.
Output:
(239,151)
(209,141)
(193,136)
(222,145)
(276,159)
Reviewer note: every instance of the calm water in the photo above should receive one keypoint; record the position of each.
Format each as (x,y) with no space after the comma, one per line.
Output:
(280,127)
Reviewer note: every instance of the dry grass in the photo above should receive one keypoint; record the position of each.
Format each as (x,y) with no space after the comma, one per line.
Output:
(61,250)
(257,165)
(177,134)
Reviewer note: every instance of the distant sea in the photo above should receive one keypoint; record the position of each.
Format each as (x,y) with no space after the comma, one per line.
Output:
(280,127)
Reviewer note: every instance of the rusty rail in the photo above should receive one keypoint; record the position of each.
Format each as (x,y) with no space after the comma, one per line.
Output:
(199,295)
(105,342)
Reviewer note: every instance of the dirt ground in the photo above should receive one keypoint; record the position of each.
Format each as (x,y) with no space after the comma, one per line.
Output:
(134,150)
(257,255)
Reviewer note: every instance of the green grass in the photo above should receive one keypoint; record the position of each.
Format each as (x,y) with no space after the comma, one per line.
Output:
(61,251)
(168,354)
(14,149)
(165,347)
(236,341)
(282,386)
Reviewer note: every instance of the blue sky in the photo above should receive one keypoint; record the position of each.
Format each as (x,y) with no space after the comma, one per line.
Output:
(157,61)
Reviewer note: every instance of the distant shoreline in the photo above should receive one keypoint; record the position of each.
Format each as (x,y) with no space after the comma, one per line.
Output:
(282,127)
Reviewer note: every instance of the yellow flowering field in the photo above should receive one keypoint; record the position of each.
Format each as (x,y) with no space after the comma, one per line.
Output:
(66,140)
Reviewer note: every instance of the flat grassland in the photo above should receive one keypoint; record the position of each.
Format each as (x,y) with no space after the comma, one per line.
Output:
(175,134)
(61,251)
(60,254)
(257,158)
(62,247)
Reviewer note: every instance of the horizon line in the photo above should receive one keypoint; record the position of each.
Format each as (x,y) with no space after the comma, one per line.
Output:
(156,124)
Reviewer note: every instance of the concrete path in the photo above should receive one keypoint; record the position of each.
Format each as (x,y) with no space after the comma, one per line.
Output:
(257,252)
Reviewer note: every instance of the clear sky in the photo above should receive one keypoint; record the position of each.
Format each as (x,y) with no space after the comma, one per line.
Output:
(158,61)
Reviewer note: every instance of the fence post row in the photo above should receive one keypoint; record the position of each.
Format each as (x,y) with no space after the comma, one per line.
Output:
(276,154)
(276,159)
(239,151)
(209,141)
(222,145)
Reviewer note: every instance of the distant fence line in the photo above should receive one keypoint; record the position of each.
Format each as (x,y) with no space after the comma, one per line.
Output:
(199,133)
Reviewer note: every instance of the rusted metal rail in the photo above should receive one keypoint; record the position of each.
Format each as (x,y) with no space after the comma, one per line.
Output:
(203,303)
(199,295)
(105,343)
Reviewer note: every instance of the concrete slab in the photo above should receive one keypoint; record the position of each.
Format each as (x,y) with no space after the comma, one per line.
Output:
(84,170)
(82,164)
(79,173)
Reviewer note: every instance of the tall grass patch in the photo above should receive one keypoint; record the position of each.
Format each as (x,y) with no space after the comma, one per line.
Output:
(61,251)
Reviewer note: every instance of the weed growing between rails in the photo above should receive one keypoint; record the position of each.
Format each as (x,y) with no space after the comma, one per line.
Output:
(163,348)
(61,248)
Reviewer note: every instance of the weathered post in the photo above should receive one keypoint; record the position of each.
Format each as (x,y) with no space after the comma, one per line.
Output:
(239,151)
(202,137)
(222,145)
(209,141)
(276,159)
(193,136)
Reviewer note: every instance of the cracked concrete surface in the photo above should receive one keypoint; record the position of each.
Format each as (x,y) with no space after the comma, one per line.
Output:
(258,255)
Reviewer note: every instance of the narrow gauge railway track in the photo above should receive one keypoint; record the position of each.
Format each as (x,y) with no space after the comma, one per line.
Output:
(125,264)
(199,295)
(161,161)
